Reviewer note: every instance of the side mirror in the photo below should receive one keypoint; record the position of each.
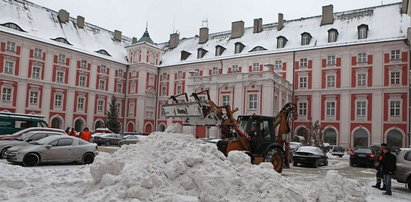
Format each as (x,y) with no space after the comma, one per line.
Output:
(49,146)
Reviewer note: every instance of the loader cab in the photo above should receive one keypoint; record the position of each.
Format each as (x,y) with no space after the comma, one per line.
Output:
(260,129)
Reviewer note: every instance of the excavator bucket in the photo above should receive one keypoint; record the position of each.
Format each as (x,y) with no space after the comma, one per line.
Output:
(192,113)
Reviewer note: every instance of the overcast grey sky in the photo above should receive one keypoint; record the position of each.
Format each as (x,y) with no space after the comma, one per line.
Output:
(186,16)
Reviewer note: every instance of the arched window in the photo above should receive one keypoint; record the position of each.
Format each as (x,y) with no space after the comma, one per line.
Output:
(394,139)
(281,41)
(13,26)
(330,136)
(302,135)
(305,38)
(258,48)
(56,122)
(130,127)
(103,52)
(361,138)
(99,124)
(332,35)
(362,31)
(161,127)
(79,125)
(61,40)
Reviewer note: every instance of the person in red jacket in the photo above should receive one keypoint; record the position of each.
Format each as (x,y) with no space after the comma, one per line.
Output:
(86,135)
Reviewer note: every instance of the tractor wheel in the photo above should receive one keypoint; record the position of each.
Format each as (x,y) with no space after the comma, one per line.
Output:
(276,157)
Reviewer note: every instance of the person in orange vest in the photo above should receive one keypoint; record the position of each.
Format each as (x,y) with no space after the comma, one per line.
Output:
(72,132)
(85,135)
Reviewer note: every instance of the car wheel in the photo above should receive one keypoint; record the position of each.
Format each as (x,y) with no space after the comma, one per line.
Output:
(409,183)
(31,159)
(316,163)
(98,144)
(326,163)
(295,163)
(275,157)
(351,164)
(3,152)
(88,158)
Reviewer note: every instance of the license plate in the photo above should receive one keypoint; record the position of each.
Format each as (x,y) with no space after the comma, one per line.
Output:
(362,155)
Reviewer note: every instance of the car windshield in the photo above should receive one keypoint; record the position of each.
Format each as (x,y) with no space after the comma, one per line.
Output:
(35,143)
(367,151)
(308,149)
(338,149)
(24,137)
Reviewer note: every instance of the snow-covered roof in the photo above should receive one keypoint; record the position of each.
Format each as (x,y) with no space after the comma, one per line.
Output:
(384,22)
(42,24)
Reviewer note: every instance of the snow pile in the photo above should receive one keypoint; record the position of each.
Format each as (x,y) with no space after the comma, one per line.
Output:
(176,167)
(174,128)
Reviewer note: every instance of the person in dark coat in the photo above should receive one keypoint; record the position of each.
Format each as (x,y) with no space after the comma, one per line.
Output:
(389,166)
(377,164)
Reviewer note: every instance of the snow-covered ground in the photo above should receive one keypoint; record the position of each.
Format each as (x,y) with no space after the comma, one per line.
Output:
(177,167)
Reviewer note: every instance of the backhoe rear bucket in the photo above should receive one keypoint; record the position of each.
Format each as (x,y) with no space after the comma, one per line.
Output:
(196,113)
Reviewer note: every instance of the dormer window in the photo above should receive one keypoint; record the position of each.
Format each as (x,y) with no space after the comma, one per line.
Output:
(103,52)
(238,47)
(362,31)
(258,48)
(201,52)
(305,38)
(281,41)
(185,55)
(219,50)
(13,26)
(61,40)
(332,35)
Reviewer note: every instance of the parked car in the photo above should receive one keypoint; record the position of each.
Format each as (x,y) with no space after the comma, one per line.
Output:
(336,150)
(54,149)
(14,122)
(107,139)
(403,173)
(310,155)
(101,131)
(362,157)
(294,146)
(32,129)
(25,139)
(376,148)
(131,139)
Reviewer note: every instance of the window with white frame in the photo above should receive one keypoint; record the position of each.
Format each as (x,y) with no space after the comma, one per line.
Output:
(118,108)
(35,72)
(151,80)
(362,57)
(103,68)
(34,97)
(303,82)
(102,84)
(82,80)
(278,64)
(164,90)
(362,33)
(100,105)
(332,35)
(120,86)
(120,73)
(132,87)
(305,39)
(361,108)
(252,101)
(330,81)
(361,79)
(235,69)
(226,100)
(281,41)
(38,52)
(330,108)
(7,94)
(215,70)
(80,103)
(179,89)
(131,109)
(331,60)
(303,62)
(302,108)
(62,58)
(83,64)
(60,76)
(395,108)
(256,66)
(11,46)
(58,100)
(9,66)
(179,74)
(164,76)
(395,78)
(395,55)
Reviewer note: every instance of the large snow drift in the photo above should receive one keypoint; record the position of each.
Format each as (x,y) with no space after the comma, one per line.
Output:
(172,167)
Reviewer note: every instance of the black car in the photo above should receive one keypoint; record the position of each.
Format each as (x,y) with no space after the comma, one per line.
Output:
(107,139)
(362,157)
(310,156)
(131,139)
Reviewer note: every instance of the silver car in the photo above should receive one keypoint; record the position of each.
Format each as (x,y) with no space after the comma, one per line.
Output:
(25,139)
(54,149)
(403,172)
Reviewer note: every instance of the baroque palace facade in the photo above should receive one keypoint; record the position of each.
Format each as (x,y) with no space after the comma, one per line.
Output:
(348,70)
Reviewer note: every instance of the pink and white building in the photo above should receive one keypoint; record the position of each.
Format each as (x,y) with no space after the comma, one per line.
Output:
(348,70)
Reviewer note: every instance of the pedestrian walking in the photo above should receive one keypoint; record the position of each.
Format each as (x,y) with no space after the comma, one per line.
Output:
(389,166)
(85,135)
(72,133)
(378,167)
(67,130)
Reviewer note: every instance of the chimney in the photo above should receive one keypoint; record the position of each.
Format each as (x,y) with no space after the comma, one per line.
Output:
(174,39)
(258,25)
(63,16)
(133,40)
(237,29)
(117,35)
(203,35)
(328,15)
(80,22)
(280,23)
